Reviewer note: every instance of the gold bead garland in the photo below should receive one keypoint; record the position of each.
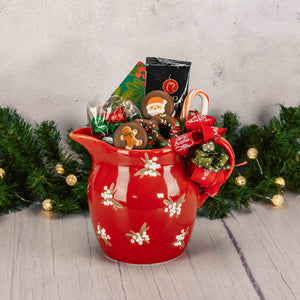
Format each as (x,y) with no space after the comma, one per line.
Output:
(252,153)
(59,169)
(71,180)
(240,180)
(280,181)
(277,200)
(2,173)
(47,204)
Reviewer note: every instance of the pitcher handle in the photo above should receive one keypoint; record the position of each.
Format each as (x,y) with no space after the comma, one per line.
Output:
(194,173)
(227,147)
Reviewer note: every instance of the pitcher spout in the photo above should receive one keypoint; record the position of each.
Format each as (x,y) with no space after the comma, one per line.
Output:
(92,144)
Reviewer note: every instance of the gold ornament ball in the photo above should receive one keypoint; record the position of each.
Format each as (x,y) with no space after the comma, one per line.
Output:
(59,169)
(240,180)
(280,181)
(71,180)
(252,153)
(2,173)
(277,200)
(47,204)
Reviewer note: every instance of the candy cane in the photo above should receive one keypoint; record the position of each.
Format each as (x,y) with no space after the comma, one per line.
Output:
(188,100)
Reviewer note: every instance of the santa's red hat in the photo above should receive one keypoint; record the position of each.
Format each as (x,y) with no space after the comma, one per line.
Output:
(156,100)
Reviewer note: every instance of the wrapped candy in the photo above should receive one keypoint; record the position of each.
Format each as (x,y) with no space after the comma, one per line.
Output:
(122,108)
(96,119)
(105,118)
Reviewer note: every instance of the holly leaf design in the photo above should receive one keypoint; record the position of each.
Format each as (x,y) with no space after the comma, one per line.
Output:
(144,228)
(187,231)
(130,234)
(111,189)
(146,157)
(116,204)
(107,242)
(136,88)
(133,71)
(181,200)
(117,92)
(128,95)
(141,172)
(166,202)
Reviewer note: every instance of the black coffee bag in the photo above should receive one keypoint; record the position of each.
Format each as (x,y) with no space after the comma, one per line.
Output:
(171,76)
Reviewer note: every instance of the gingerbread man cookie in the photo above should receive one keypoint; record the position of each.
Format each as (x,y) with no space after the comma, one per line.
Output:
(130,136)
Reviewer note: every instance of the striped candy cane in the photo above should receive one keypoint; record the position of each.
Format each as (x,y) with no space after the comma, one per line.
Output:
(188,100)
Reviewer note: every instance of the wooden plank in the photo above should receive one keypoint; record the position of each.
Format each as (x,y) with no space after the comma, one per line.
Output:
(59,258)
(269,238)
(209,269)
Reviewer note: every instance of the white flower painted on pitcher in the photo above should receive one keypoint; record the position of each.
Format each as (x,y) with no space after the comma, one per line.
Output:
(150,167)
(140,237)
(180,238)
(101,233)
(174,208)
(108,197)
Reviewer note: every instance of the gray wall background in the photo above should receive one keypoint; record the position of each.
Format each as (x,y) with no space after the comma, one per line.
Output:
(56,55)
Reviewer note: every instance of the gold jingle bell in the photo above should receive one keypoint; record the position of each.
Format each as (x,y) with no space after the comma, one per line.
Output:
(252,153)
(71,180)
(277,200)
(240,180)
(280,181)
(2,173)
(59,169)
(47,204)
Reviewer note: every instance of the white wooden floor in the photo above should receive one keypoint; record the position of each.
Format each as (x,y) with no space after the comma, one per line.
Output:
(249,255)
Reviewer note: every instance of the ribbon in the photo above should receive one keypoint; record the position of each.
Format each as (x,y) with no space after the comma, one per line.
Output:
(211,160)
(200,131)
(209,181)
(208,167)
(193,122)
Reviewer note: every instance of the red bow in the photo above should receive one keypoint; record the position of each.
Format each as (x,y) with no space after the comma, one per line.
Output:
(200,131)
(210,182)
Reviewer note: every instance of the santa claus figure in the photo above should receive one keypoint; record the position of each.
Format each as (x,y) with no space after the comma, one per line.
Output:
(156,106)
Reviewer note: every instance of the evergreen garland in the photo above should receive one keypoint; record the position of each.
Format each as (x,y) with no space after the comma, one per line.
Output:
(30,156)
(278,147)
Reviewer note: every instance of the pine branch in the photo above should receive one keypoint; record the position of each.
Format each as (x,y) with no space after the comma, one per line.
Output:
(30,155)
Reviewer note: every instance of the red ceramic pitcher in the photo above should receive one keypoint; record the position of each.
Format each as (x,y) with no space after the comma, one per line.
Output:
(141,204)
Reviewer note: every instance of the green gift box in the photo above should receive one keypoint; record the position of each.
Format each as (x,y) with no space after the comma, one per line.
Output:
(133,86)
